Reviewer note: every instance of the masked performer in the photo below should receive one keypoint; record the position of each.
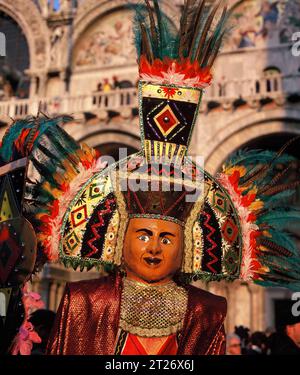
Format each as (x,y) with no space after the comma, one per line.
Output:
(17,247)
(156,220)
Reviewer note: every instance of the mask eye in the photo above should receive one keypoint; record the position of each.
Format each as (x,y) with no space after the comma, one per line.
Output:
(144,238)
(165,241)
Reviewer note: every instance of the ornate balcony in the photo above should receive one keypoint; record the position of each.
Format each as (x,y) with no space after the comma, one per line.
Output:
(224,93)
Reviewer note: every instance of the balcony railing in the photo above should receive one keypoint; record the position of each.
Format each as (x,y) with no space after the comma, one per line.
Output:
(113,100)
(225,92)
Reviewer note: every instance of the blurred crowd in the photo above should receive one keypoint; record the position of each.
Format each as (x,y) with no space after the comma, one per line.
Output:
(285,340)
(10,88)
(107,84)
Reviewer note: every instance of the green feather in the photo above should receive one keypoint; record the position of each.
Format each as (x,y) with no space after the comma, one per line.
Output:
(166,42)
(216,37)
(284,239)
(160,28)
(248,158)
(271,202)
(279,217)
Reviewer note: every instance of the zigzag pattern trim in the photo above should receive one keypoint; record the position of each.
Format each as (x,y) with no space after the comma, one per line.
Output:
(94,227)
(213,243)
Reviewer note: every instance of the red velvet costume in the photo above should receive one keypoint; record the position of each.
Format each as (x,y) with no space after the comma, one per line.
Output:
(234,224)
(88,317)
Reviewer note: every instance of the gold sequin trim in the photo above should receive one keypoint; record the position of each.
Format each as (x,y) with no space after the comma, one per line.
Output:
(152,311)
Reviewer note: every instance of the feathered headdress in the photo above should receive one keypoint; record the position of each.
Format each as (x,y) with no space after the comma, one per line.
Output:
(56,167)
(182,58)
(236,227)
(261,190)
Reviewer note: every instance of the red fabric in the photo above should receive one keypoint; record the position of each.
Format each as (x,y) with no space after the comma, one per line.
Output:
(133,346)
(87,321)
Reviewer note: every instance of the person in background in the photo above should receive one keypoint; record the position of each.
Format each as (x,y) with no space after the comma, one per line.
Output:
(43,321)
(21,94)
(286,340)
(258,344)
(244,335)
(106,88)
(116,83)
(8,91)
(233,344)
(106,85)
(99,87)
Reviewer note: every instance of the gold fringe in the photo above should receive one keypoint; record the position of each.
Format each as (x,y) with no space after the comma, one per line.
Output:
(123,217)
(187,264)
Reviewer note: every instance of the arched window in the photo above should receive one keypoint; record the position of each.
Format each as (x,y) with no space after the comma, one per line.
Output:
(13,79)
(272,76)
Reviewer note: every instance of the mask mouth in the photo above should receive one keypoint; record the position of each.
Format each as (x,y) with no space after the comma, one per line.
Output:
(152,261)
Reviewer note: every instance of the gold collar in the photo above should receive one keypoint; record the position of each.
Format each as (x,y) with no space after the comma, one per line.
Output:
(152,311)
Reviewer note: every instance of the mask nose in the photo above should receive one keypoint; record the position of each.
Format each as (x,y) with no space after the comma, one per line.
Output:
(155,248)
(154,251)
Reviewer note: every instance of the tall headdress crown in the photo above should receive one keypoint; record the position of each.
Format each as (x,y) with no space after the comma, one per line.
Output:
(174,68)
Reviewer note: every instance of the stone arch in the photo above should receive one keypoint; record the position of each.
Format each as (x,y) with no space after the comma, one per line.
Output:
(28,17)
(92,10)
(272,69)
(238,133)
(111,144)
(114,136)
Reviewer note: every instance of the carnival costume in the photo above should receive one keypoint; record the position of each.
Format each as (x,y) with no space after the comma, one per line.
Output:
(233,223)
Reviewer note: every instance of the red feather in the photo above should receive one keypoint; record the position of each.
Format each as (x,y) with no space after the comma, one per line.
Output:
(185,67)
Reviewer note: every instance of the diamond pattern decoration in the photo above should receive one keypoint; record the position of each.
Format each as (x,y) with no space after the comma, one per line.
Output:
(94,191)
(72,241)
(220,201)
(79,216)
(230,231)
(166,120)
